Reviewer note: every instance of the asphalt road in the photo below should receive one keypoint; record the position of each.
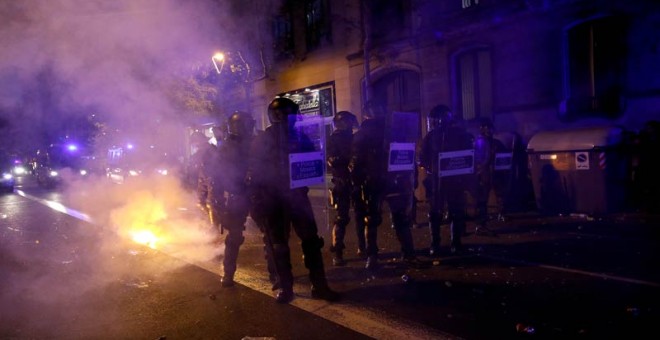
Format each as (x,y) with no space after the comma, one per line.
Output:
(66,275)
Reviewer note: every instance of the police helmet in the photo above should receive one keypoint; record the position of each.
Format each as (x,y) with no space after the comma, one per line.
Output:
(344,120)
(280,109)
(240,124)
(485,122)
(485,126)
(440,116)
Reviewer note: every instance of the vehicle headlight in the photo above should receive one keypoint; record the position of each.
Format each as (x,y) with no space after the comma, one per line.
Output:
(83,172)
(162,171)
(53,173)
(19,170)
(133,172)
(7,176)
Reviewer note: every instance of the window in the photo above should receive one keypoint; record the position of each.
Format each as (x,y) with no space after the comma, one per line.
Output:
(400,90)
(317,24)
(283,34)
(387,19)
(474,83)
(593,69)
(469,3)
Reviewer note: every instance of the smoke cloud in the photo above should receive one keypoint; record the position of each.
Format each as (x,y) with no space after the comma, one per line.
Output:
(66,62)
(67,59)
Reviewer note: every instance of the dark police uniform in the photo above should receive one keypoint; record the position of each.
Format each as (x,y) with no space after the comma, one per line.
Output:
(376,185)
(339,157)
(279,208)
(448,192)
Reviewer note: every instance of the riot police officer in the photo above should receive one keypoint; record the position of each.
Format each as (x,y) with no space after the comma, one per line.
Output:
(339,157)
(485,149)
(444,135)
(279,207)
(204,164)
(375,185)
(234,207)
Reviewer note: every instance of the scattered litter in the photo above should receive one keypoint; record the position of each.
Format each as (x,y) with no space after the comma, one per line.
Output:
(448,284)
(634,311)
(258,338)
(136,284)
(135,252)
(212,296)
(522,328)
(405,278)
(436,262)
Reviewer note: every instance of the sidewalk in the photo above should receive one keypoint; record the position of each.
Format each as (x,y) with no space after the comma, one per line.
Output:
(564,275)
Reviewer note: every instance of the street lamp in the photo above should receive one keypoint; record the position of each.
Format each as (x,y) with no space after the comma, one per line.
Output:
(218,57)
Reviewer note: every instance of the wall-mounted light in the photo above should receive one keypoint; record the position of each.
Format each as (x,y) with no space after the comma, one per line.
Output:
(218,58)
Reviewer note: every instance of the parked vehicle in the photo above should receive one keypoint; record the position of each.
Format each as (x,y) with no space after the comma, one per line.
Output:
(60,163)
(7,181)
(129,165)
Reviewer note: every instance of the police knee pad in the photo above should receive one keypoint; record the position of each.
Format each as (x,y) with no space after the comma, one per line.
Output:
(280,249)
(435,218)
(235,239)
(312,244)
(373,220)
(342,222)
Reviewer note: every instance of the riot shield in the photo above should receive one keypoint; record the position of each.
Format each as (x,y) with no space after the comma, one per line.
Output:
(402,136)
(307,163)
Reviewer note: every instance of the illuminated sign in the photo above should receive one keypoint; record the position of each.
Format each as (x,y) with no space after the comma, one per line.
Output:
(582,160)
(316,100)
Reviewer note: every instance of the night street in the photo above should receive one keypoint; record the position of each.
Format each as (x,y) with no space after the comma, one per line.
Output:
(501,157)
(559,277)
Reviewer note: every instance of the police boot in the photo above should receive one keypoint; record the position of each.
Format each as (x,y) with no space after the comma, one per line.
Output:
(456,232)
(270,266)
(372,262)
(362,242)
(314,263)
(482,229)
(232,244)
(434,226)
(409,258)
(337,249)
(282,262)
(338,258)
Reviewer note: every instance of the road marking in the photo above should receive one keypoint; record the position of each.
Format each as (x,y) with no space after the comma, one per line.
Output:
(358,319)
(574,271)
(57,207)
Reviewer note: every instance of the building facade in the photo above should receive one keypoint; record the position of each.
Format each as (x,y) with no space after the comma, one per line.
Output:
(529,65)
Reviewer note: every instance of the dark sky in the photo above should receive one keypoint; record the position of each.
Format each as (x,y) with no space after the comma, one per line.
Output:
(62,60)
